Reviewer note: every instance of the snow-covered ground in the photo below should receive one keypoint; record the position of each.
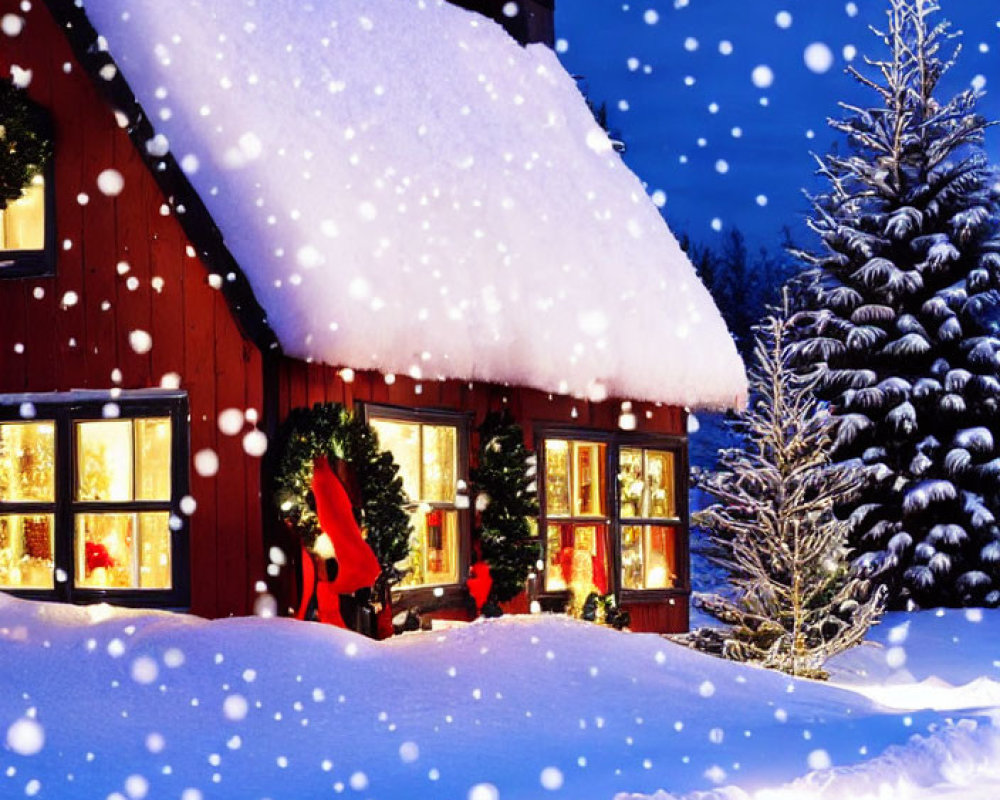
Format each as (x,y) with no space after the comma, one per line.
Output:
(98,703)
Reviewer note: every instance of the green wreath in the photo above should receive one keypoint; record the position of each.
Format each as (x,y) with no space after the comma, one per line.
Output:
(24,146)
(330,429)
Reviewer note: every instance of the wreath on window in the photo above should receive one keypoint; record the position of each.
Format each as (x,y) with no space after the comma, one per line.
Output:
(24,145)
(378,500)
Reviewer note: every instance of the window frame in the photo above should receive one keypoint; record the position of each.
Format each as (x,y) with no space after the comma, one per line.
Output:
(65,410)
(435,595)
(614,442)
(37,263)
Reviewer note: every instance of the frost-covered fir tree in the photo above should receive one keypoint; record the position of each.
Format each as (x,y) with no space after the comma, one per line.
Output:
(903,319)
(774,531)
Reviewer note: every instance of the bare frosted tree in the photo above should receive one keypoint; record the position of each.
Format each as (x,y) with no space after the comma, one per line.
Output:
(773,529)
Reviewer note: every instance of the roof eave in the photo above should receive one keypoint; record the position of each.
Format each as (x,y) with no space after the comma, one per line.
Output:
(184,202)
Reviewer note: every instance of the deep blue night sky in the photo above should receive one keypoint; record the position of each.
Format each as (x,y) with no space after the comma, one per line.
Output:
(718,153)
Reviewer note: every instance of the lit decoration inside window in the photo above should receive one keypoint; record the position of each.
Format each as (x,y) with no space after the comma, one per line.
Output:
(646,483)
(575,492)
(582,532)
(577,559)
(27,485)
(648,556)
(22,223)
(122,462)
(574,478)
(428,464)
(123,551)
(647,494)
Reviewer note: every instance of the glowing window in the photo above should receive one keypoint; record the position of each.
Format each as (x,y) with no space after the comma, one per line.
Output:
(649,556)
(427,455)
(574,478)
(92,504)
(27,223)
(22,222)
(646,483)
(123,461)
(27,484)
(596,543)
(576,542)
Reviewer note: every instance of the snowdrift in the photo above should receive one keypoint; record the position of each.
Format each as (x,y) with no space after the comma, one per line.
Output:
(98,703)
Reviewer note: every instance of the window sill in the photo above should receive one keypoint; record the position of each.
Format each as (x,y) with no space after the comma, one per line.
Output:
(425,597)
(170,600)
(653,595)
(26,264)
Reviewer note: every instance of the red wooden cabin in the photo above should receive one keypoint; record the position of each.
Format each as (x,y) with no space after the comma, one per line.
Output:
(139,368)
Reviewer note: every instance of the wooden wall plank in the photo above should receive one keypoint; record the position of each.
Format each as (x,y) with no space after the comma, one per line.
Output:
(70,93)
(316,384)
(254,402)
(168,261)
(99,248)
(298,390)
(136,211)
(199,381)
(230,483)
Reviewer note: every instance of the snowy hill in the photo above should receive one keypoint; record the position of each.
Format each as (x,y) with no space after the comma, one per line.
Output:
(98,703)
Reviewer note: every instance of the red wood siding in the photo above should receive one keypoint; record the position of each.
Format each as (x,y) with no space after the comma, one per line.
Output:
(303,384)
(669,617)
(194,334)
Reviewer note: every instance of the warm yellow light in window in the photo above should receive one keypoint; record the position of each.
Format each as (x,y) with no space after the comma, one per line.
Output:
(123,551)
(27,462)
(646,483)
(588,479)
(433,556)
(427,456)
(557,483)
(104,460)
(123,459)
(152,459)
(439,467)
(648,556)
(402,439)
(26,551)
(22,223)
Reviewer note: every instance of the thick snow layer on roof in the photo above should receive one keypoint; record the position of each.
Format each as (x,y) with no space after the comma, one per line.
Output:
(409,190)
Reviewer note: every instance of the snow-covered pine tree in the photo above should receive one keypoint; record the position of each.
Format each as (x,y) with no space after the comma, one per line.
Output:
(903,319)
(774,530)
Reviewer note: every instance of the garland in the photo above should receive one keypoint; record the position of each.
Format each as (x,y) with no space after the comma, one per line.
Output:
(24,146)
(505,480)
(330,429)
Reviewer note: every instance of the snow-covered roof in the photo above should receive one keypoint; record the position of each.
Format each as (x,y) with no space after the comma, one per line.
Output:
(409,190)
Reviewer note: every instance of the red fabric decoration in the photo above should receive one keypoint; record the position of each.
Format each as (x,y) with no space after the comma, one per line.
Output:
(383,623)
(328,604)
(308,582)
(601,563)
(96,556)
(479,583)
(358,566)
(566,564)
